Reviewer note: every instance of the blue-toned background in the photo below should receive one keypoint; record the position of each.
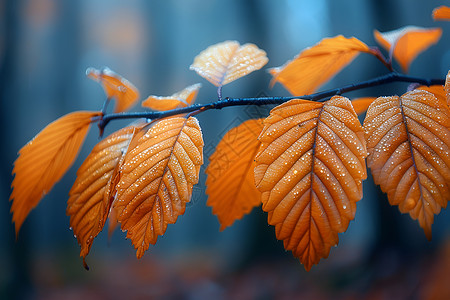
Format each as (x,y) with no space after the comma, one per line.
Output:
(45,48)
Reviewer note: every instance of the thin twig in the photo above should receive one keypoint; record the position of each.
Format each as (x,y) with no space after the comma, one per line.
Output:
(227,102)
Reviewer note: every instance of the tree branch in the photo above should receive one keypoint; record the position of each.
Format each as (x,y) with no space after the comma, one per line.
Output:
(320,96)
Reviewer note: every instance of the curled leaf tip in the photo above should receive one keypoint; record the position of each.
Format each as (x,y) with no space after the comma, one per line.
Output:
(115,86)
(91,72)
(85,265)
(441,13)
(406,43)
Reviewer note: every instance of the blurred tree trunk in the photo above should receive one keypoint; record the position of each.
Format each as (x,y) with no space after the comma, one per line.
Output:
(19,283)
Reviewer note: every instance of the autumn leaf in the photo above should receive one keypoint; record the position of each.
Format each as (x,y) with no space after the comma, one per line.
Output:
(112,222)
(157,177)
(408,139)
(441,13)
(309,170)
(436,90)
(181,99)
(230,184)
(360,105)
(111,189)
(404,44)
(225,62)
(115,86)
(89,202)
(45,159)
(316,65)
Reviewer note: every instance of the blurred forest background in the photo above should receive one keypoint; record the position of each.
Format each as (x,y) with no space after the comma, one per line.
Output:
(45,48)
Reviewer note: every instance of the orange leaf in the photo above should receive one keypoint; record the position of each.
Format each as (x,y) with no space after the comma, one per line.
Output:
(111,190)
(44,160)
(441,13)
(157,177)
(230,185)
(408,139)
(316,65)
(404,44)
(89,202)
(227,61)
(309,169)
(360,105)
(115,86)
(436,90)
(112,222)
(181,99)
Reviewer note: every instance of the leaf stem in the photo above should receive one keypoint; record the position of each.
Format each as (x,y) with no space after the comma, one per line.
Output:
(219,93)
(377,53)
(105,105)
(227,102)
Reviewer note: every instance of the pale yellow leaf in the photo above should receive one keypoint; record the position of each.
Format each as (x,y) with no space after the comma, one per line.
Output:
(227,61)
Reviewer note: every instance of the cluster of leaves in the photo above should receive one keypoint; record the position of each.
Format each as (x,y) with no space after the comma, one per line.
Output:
(305,162)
